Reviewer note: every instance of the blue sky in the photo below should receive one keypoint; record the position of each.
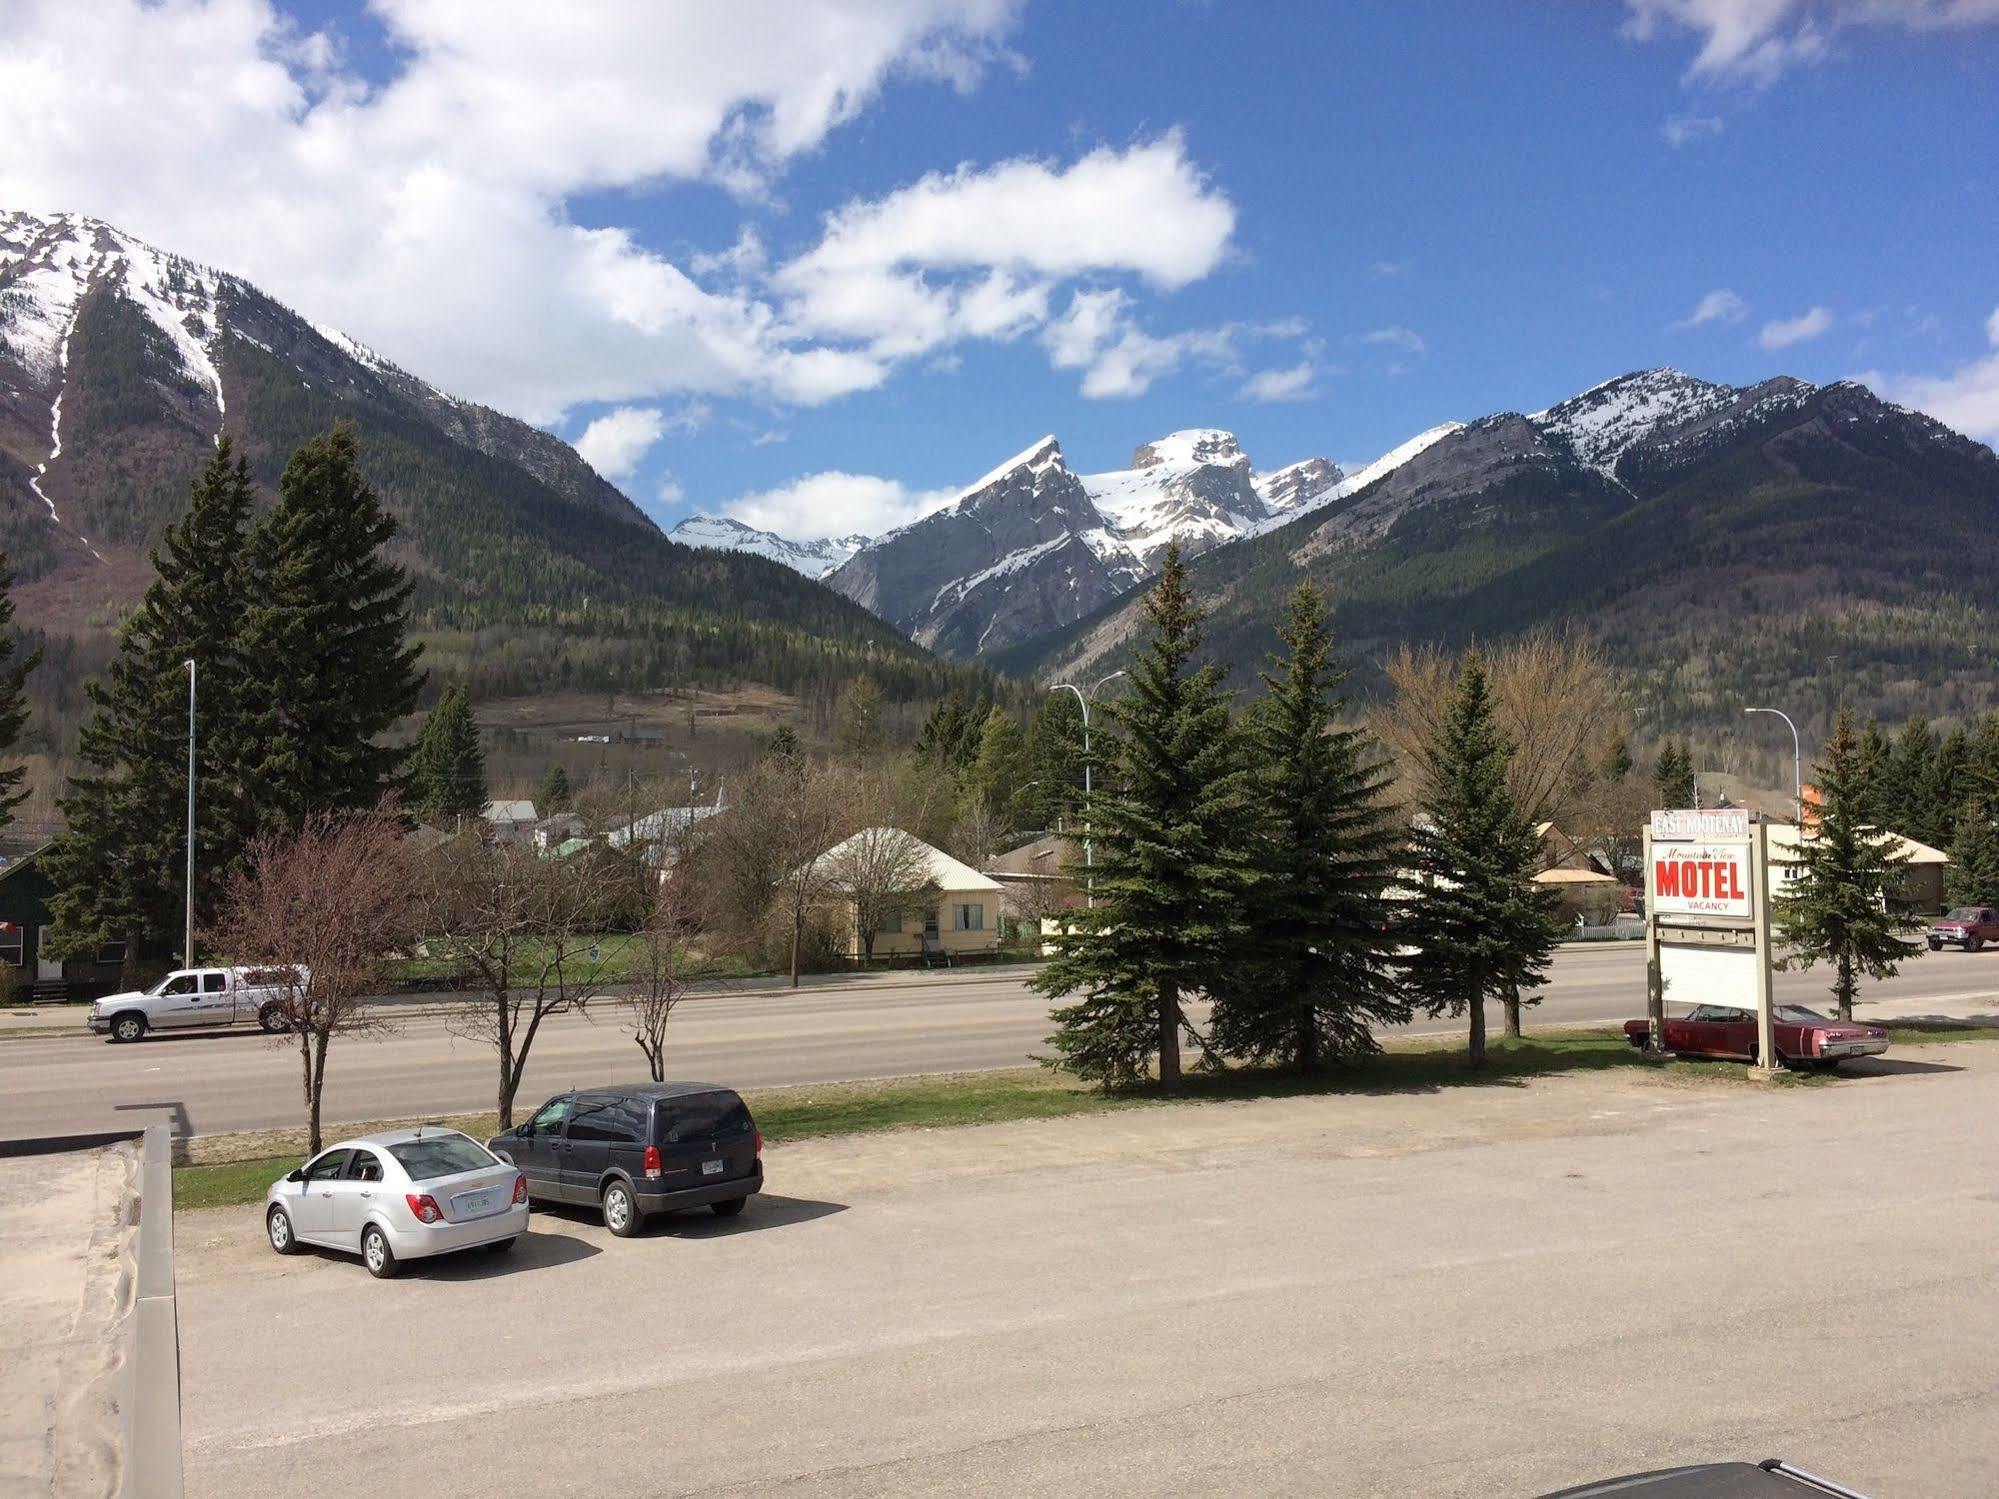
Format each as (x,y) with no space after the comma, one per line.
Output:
(971,222)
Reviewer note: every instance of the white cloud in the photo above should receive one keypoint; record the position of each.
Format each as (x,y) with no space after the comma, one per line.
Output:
(976,252)
(1720,306)
(837,504)
(1387,268)
(1967,398)
(426,215)
(1396,337)
(1756,40)
(669,492)
(1293,384)
(616,442)
(1784,332)
(1684,130)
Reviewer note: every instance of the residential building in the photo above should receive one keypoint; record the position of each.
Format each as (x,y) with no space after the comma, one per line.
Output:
(958,915)
(509,821)
(25,892)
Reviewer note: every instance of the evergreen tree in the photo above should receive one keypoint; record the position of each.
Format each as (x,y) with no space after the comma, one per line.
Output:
(327,629)
(998,779)
(1616,759)
(1872,773)
(14,669)
(1317,974)
(1479,925)
(1907,773)
(554,795)
(942,729)
(1673,777)
(1973,876)
(1836,909)
(119,864)
(1172,868)
(1943,791)
(783,741)
(860,728)
(1055,759)
(447,769)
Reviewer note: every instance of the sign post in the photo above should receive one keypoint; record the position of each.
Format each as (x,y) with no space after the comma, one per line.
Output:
(1707,918)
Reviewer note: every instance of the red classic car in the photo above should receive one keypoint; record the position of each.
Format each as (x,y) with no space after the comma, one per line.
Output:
(1804,1038)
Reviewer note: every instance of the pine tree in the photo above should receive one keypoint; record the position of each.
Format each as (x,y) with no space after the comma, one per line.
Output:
(447,769)
(119,864)
(999,774)
(1942,794)
(1673,777)
(1479,925)
(1836,908)
(14,669)
(554,795)
(1872,773)
(1172,871)
(1055,759)
(1973,876)
(1907,773)
(327,628)
(1616,759)
(942,730)
(1317,972)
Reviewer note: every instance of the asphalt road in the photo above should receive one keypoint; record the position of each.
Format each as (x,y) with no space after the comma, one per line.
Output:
(206,1083)
(1472,1291)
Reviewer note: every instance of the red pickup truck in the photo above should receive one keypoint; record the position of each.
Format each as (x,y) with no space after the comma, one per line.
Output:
(1968,927)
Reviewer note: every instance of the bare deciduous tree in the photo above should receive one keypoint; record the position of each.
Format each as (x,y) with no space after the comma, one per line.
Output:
(776,835)
(658,979)
(323,907)
(522,925)
(878,871)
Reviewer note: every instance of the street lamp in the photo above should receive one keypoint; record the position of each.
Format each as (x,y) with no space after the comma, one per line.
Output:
(1089,860)
(1797,760)
(187,949)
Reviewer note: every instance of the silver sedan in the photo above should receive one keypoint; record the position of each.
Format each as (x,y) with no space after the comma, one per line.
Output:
(404,1194)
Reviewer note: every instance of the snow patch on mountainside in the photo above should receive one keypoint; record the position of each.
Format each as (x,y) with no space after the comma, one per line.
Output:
(814,558)
(1606,420)
(1355,482)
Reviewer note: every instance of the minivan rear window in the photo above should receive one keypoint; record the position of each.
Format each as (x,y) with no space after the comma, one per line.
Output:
(440,1155)
(703,1116)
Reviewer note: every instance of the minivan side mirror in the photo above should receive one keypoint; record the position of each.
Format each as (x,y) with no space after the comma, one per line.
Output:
(523,1131)
(297,1174)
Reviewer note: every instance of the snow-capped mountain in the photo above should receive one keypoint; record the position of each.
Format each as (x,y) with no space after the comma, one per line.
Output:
(1722,542)
(121,364)
(1032,545)
(814,558)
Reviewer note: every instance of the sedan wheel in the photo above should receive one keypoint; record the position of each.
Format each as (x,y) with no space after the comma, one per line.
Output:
(621,1211)
(376,1254)
(278,1224)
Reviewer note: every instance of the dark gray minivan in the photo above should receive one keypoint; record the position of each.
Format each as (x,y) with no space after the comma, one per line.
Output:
(644,1148)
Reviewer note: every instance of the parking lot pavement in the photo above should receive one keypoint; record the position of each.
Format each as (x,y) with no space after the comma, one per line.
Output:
(1488,1290)
(65,1287)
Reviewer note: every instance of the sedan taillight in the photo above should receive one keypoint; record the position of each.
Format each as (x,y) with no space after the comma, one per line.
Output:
(424,1206)
(520,1189)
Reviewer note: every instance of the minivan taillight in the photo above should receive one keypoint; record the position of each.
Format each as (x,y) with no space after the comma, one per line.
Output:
(758,1136)
(424,1206)
(653,1163)
(520,1190)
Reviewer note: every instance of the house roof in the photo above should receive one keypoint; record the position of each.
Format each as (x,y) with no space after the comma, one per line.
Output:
(661,824)
(14,866)
(944,871)
(1044,859)
(1561,876)
(1784,843)
(509,811)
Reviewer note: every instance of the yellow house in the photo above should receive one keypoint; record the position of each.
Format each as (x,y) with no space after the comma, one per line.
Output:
(951,908)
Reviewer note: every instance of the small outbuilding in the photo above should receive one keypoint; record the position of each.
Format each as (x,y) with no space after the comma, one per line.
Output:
(509,821)
(33,972)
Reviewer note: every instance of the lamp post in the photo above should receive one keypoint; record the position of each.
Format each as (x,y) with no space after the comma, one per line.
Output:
(187,947)
(1797,761)
(1089,860)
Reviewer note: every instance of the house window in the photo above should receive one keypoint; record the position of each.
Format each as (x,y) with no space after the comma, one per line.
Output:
(112,952)
(891,922)
(969,917)
(13,943)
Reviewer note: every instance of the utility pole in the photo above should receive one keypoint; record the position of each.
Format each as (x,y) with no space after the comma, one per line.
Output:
(187,948)
(1089,859)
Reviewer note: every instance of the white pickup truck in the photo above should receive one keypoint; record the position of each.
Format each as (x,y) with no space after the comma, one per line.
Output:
(190,998)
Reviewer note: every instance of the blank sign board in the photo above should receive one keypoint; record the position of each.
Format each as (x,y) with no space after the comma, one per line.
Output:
(1709,975)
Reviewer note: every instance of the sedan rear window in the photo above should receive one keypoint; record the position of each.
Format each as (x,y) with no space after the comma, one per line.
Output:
(440,1155)
(704,1116)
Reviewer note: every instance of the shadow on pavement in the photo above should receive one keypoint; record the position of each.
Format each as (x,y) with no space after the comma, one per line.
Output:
(533,1250)
(1891,1067)
(765,1210)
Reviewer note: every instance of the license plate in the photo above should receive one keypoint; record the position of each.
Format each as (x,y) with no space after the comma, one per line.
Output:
(472,1205)
(711,1168)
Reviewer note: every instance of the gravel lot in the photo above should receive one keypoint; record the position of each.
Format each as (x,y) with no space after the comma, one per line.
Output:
(1488,1290)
